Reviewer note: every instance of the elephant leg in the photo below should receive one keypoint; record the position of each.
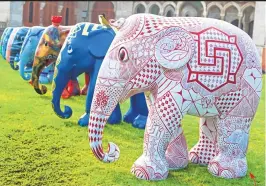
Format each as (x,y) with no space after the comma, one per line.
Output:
(204,150)
(177,152)
(51,75)
(116,116)
(152,164)
(68,90)
(43,77)
(232,143)
(141,120)
(84,89)
(138,106)
(84,119)
(76,88)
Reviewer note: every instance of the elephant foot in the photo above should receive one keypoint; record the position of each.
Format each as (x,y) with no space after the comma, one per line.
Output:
(130,116)
(177,153)
(84,90)
(140,122)
(84,120)
(146,169)
(203,152)
(228,166)
(113,119)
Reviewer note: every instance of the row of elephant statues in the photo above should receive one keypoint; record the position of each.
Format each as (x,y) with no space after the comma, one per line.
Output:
(34,50)
(185,65)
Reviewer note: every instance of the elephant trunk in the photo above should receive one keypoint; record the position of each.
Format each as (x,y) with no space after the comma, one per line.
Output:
(36,71)
(104,102)
(59,83)
(22,71)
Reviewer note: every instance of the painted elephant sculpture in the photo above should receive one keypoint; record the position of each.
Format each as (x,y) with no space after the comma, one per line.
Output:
(5,41)
(83,51)
(14,45)
(2,39)
(186,65)
(46,54)
(27,54)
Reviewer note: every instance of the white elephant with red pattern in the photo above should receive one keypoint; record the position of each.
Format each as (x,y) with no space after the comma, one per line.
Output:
(186,65)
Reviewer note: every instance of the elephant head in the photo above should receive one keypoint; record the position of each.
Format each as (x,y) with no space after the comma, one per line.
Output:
(47,50)
(2,39)
(83,51)
(135,61)
(16,45)
(5,41)
(28,49)
(9,43)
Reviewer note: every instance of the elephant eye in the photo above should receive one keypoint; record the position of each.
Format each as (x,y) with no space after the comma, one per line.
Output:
(123,55)
(45,43)
(69,49)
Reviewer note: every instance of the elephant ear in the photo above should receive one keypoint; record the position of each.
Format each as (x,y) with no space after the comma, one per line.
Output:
(174,48)
(100,41)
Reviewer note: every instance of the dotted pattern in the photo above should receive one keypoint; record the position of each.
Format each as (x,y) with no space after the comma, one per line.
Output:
(169,113)
(228,101)
(147,75)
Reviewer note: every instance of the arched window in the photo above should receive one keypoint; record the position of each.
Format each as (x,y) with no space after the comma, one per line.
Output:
(191,9)
(31,12)
(140,9)
(169,14)
(154,10)
(169,11)
(214,12)
(67,13)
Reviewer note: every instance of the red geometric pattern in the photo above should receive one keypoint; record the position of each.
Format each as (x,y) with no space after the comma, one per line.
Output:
(226,102)
(147,75)
(168,112)
(221,84)
(216,61)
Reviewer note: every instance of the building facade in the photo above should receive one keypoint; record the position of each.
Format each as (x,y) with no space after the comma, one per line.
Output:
(32,13)
(247,15)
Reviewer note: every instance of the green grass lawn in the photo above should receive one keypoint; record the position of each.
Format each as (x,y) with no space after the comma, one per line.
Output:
(39,148)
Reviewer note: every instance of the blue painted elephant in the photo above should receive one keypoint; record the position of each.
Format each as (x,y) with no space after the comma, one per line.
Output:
(27,53)
(5,41)
(84,51)
(15,46)
(2,38)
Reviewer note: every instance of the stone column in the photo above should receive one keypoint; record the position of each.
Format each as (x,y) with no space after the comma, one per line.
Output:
(123,9)
(259,32)
(222,16)
(204,14)
(42,5)
(60,8)
(239,19)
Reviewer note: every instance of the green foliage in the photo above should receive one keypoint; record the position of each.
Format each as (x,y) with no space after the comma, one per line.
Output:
(39,148)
